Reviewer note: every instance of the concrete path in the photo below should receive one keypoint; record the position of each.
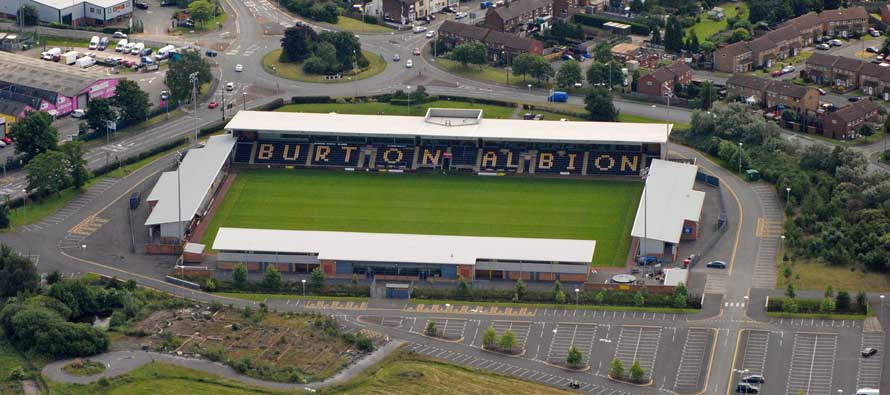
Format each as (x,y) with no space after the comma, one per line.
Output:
(122,362)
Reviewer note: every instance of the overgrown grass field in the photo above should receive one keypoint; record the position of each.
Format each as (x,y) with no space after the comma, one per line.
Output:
(600,210)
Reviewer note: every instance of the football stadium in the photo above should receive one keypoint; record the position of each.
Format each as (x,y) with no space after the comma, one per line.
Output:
(414,198)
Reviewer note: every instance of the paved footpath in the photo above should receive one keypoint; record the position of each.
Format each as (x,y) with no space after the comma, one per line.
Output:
(123,362)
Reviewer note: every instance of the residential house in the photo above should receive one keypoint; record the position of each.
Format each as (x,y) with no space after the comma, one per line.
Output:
(752,89)
(514,17)
(846,122)
(787,40)
(790,96)
(845,22)
(874,80)
(845,72)
(500,47)
(885,14)
(808,27)
(733,58)
(452,34)
(660,82)
(682,72)
(405,11)
(764,51)
(819,68)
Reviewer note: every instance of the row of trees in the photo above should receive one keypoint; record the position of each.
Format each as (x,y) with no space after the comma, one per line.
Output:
(51,168)
(128,106)
(637,374)
(324,53)
(324,11)
(507,342)
(829,304)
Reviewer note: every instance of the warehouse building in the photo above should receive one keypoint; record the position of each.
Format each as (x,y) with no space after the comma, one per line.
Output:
(73,12)
(405,256)
(52,87)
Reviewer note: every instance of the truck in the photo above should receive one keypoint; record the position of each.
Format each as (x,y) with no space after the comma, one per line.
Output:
(52,54)
(164,52)
(558,97)
(68,57)
(86,61)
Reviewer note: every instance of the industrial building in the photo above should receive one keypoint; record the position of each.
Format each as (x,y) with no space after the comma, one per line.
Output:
(73,12)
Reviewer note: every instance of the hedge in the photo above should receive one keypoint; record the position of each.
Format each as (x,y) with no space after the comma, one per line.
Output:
(288,288)
(310,99)
(599,21)
(811,306)
(611,298)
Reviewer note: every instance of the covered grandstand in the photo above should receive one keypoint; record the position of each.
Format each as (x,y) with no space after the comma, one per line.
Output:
(446,139)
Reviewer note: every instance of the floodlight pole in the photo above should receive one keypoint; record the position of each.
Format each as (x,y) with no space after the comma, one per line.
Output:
(645,176)
(193,78)
(179,194)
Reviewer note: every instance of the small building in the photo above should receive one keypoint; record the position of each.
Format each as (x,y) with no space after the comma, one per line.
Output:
(73,12)
(405,11)
(515,16)
(874,80)
(751,89)
(672,214)
(734,58)
(500,47)
(791,97)
(405,257)
(660,82)
(819,67)
(845,123)
(845,72)
(180,198)
(845,22)
(12,111)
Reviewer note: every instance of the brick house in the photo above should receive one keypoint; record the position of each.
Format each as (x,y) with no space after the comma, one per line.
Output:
(787,40)
(790,96)
(512,16)
(682,72)
(733,58)
(819,68)
(845,123)
(661,81)
(885,14)
(745,86)
(845,72)
(874,80)
(499,47)
(764,51)
(404,11)
(845,22)
(452,34)
(808,27)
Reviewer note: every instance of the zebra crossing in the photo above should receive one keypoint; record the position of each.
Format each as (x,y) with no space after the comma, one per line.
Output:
(769,231)
(97,189)
(512,370)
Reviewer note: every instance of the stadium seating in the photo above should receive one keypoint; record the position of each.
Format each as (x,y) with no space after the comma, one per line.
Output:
(559,161)
(463,155)
(612,163)
(340,155)
(242,152)
(281,153)
(393,157)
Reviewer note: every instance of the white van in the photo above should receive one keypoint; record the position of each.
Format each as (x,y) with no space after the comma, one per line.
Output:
(86,61)
(137,49)
(52,54)
(868,391)
(69,57)
(94,42)
(129,47)
(121,45)
(164,52)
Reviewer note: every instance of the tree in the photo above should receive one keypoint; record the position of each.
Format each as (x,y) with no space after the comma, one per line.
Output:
(297,42)
(866,130)
(201,11)
(177,78)
(131,102)
(635,80)
(617,369)
(598,104)
(507,340)
(271,278)
(639,299)
(673,35)
(603,52)
(862,301)
(560,297)
(463,289)
(239,276)
(29,15)
(520,289)
(791,291)
(707,95)
(574,357)
(431,329)
(346,48)
(829,291)
(604,74)
(316,280)
(541,69)
(18,274)
(637,372)
(707,46)
(827,306)
(75,164)
(885,47)
(564,30)
(468,53)
(692,44)
(522,64)
(99,112)
(489,338)
(740,35)
(47,173)
(637,6)
(569,74)
(34,134)
(759,11)
(656,35)
(4,216)
(842,301)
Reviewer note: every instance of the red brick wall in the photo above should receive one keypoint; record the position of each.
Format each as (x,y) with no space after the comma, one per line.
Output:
(329,267)
(282,267)
(645,88)
(578,278)
(694,234)
(518,275)
(466,271)
(546,276)
(226,265)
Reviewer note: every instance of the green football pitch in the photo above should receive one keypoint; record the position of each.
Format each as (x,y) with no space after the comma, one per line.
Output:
(463,205)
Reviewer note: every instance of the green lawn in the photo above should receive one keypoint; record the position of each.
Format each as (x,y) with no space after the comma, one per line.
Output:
(816,275)
(356,26)
(34,211)
(487,73)
(638,119)
(211,24)
(10,361)
(260,297)
(294,71)
(598,210)
(708,27)
(488,110)
(163,379)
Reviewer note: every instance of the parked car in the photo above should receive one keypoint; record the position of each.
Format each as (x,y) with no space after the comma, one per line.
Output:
(419,29)
(716,265)
(777,73)
(745,388)
(871,49)
(416,51)
(853,99)
(835,43)
(119,35)
(396,58)
(103,43)
(409,64)
(868,351)
(460,15)
(788,69)
(239,68)
(212,104)
(8,140)
(823,47)
(753,379)
(210,53)
(164,94)
(821,91)
(141,5)
(78,113)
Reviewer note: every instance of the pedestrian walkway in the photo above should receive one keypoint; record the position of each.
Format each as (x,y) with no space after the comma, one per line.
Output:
(98,188)
(769,232)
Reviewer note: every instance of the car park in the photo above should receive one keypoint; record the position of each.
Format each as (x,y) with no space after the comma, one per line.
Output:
(103,43)
(396,58)
(409,64)
(239,68)
(869,351)
(94,42)
(716,265)
(230,86)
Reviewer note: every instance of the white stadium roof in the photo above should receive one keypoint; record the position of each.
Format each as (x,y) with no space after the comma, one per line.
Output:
(407,248)
(197,173)
(493,129)
(669,184)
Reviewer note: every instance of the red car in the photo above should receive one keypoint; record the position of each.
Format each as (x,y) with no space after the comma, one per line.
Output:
(777,73)
(212,104)
(8,140)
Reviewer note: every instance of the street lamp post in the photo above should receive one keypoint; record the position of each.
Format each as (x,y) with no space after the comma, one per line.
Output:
(83,249)
(304,287)
(787,195)
(783,247)
(179,194)
(529,88)
(740,157)
(645,176)
(882,308)
(193,78)
(25,205)
(244,99)
(577,297)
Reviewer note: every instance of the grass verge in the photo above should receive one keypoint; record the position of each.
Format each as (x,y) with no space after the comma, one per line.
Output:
(414,204)
(294,71)
(35,211)
(567,306)
(261,297)
(854,317)
(84,368)
(489,111)
(817,275)
(162,379)
(639,119)
(488,74)
(125,170)
(357,26)
(212,24)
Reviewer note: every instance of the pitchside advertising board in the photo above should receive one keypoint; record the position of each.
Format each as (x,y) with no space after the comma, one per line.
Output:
(489,159)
